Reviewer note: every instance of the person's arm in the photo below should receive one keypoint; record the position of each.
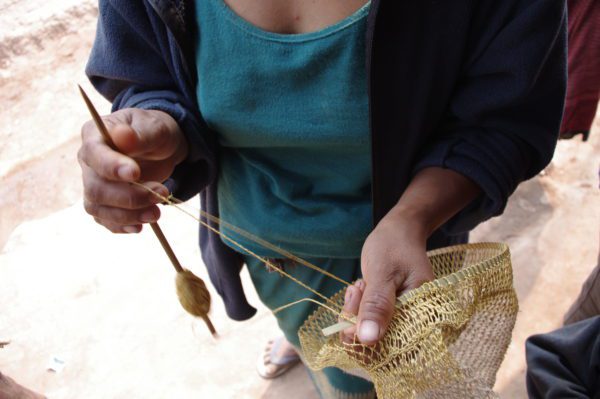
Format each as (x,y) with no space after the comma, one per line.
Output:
(500,129)
(135,63)
(503,119)
(432,198)
(155,122)
(394,255)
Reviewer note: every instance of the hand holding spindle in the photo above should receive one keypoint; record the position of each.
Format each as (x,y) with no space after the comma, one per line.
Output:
(191,290)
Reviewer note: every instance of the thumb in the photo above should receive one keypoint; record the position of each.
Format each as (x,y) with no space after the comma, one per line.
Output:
(376,311)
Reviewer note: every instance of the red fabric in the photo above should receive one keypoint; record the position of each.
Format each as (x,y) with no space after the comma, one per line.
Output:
(583,88)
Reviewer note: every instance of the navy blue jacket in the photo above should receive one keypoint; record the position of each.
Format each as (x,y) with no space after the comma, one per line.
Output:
(476,86)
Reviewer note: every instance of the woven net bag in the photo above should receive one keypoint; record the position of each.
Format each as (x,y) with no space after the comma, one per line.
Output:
(447,338)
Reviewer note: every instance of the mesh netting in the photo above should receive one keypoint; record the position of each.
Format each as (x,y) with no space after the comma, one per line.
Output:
(446,339)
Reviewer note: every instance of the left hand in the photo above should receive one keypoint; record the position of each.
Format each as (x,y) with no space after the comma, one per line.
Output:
(393,260)
(394,256)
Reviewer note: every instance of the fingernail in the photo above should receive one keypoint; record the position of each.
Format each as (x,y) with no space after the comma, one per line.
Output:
(369,331)
(348,296)
(360,284)
(131,229)
(148,217)
(126,173)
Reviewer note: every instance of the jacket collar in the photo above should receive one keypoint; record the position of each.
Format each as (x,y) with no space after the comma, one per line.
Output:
(178,17)
(175,15)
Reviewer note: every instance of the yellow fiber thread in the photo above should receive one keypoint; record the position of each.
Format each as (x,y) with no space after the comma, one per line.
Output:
(170,201)
(446,339)
(272,247)
(340,315)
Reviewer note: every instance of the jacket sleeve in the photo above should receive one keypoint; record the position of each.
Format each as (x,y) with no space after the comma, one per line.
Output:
(565,363)
(136,63)
(504,116)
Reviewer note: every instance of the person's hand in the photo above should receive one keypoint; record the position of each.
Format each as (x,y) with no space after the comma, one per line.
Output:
(150,145)
(393,261)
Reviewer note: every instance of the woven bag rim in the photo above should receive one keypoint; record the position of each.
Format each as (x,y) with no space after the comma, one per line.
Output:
(460,275)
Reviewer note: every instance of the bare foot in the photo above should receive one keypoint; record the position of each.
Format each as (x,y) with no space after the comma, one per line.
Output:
(9,389)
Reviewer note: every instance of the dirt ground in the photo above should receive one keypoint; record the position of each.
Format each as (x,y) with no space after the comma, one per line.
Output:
(105,305)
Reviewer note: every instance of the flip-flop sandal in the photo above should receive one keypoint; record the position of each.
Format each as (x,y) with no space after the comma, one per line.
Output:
(269,366)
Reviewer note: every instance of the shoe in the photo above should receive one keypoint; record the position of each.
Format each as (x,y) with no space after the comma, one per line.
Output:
(269,365)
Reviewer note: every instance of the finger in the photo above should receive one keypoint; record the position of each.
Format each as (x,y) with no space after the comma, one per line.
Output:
(351,305)
(118,229)
(156,171)
(122,217)
(120,195)
(106,162)
(352,298)
(376,310)
(360,284)
(151,135)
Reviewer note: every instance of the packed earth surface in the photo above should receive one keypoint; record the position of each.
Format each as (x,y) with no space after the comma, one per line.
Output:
(88,314)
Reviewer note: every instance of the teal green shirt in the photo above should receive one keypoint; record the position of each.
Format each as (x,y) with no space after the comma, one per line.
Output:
(291,112)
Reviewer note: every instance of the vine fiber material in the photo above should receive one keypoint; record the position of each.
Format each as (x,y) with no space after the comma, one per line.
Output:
(447,338)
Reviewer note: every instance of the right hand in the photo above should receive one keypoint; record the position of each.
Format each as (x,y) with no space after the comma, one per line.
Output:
(150,145)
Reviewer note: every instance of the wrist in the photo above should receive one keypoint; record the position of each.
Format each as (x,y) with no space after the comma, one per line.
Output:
(432,198)
(410,224)
(414,220)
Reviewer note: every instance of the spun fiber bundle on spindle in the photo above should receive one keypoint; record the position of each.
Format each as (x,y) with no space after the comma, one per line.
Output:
(194,297)
(192,293)
(447,338)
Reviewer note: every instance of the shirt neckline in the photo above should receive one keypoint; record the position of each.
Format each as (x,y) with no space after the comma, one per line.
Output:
(293,37)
